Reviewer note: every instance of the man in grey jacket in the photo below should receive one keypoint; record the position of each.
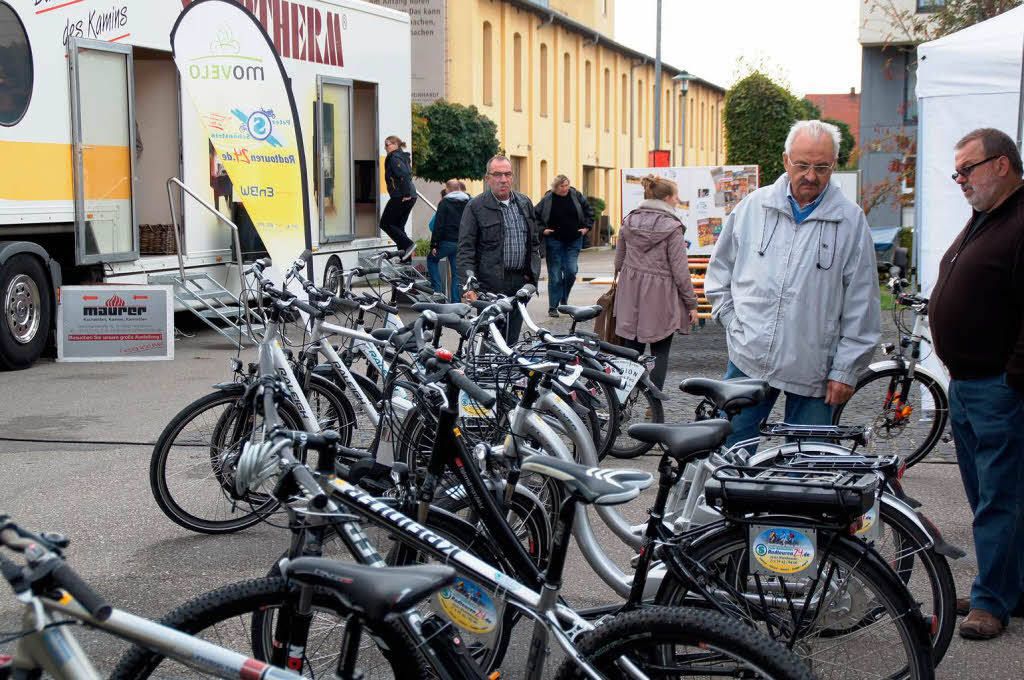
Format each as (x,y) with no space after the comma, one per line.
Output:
(499,240)
(793,281)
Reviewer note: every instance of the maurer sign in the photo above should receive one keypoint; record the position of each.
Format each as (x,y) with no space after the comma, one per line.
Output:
(115,323)
(236,82)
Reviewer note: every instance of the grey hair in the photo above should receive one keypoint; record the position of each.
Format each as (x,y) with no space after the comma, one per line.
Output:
(558,180)
(816,129)
(497,157)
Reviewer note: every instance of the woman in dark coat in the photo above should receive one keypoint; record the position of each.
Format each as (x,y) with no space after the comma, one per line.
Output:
(402,195)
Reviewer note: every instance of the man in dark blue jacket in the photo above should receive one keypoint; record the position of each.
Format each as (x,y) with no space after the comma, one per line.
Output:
(444,241)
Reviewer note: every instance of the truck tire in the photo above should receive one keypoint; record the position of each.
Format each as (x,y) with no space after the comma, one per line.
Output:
(26,309)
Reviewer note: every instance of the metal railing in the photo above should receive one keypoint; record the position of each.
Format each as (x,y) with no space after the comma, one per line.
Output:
(179,235)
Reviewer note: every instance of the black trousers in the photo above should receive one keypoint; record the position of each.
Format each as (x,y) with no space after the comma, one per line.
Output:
(392,222)
(659,350)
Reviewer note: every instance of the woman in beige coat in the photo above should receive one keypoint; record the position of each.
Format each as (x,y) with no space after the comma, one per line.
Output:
(654,296)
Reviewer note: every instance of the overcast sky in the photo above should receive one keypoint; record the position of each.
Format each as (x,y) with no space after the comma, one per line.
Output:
(813,43)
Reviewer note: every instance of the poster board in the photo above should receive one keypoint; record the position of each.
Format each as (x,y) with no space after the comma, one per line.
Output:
(707,195)
(115,323)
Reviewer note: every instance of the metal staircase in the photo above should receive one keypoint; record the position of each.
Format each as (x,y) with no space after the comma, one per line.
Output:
(198,292)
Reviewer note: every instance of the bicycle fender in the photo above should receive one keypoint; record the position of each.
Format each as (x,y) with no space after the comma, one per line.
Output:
(652,388)
(941,546)
(230,387)
(925,525)
(880,366)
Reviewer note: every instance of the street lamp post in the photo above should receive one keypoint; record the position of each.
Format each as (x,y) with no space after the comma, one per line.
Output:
(683,79)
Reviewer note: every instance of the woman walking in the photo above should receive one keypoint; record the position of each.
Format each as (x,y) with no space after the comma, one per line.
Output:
(401,193)
(566,217)
(654,296)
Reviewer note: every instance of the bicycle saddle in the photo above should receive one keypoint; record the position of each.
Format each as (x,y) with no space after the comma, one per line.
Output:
(374,591)
(686,441)
(728,395)
(590,484)
(581,313)
(456,308)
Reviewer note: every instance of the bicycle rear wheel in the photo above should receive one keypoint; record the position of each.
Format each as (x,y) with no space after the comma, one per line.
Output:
(910,428)
(225,617)
(641,406)
(675,642)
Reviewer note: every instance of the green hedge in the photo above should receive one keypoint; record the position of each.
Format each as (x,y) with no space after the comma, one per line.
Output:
(758,115)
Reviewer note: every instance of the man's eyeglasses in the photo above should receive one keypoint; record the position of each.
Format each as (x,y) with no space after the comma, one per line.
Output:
(819,168)
(966,171)
(499,175)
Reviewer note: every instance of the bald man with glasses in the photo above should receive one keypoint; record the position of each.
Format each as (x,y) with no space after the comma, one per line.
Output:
(976,315)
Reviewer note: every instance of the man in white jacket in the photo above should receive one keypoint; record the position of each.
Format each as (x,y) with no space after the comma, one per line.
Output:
(793,280)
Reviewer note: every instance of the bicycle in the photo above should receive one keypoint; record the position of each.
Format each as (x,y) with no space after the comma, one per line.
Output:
(907,404)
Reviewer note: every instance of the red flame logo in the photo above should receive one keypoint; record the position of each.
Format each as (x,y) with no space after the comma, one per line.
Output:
(115,301)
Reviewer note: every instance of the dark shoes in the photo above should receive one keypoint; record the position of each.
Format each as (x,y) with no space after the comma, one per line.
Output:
(980,625)
(553,313)
(407,255)
(963,606)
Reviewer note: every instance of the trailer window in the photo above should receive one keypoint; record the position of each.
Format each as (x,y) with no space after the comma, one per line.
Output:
(15,67)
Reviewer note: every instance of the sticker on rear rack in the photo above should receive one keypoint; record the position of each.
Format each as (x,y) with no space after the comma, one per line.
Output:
(782,550)
(870,529)
(469,607)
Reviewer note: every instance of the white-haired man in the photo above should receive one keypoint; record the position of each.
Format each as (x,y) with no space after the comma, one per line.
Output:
(793,281)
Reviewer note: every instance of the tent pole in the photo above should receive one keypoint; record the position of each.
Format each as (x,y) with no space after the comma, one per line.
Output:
(1020,106)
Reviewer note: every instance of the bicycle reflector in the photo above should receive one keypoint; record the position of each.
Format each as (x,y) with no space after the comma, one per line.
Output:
(443,354)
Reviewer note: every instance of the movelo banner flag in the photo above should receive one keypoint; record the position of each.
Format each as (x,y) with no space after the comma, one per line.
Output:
(237,83)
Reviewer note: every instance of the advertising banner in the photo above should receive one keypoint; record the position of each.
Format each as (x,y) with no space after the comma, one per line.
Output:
(707,194)
(115,323)
(236,81)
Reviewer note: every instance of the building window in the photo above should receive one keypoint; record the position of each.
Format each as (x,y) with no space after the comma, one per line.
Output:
(714,129)
(588,88)
(604,7)
(566,88)
(16,67)
(487,65)
(517,72)
(909,88)
(666,117)
(543,80)
(624,98)
(930,5)
(689,116)
(543,175)
(703,129)
(607,99)
(682,121)
(639,108)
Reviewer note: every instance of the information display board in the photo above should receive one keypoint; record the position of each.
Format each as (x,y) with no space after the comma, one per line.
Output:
(707,195)
(115,323)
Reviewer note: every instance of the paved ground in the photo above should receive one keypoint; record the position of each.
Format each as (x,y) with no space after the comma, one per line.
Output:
(99,494)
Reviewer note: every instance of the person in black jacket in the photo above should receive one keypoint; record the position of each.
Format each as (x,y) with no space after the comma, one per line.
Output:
(565,216)
(402,195)
(976,315)
(444,239)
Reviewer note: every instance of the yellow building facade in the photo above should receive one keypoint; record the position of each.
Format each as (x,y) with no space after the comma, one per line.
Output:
(569,100)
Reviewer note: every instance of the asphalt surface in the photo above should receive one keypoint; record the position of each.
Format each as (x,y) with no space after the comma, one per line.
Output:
(99,495)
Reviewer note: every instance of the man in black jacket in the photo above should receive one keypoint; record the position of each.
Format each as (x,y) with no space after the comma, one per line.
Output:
(977,322)
(444,237)
(498,239)
(565,216)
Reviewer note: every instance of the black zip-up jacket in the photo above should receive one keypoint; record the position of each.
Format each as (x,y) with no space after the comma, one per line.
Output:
(398,174)
(482,241)
(976,309)
(449,215)
(584,211)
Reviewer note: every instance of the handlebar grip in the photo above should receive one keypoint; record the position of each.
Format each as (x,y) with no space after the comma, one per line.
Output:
(423,288)
(561,356)
(65,577)
(619,351)
(305,480)
(477,393)
(526,292)
(342,305)
(601,376)
(390,309)
(307,308)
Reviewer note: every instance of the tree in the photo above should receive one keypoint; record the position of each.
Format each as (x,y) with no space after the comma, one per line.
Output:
(459,139)
(420,139)
(846,144)
(758,115)
(806,109)
(906,25)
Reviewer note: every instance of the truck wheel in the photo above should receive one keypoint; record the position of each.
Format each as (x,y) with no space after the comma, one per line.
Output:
(26,308)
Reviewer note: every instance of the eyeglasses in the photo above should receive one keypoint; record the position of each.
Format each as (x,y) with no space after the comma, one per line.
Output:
(966,171)
(819,168)
(499,175)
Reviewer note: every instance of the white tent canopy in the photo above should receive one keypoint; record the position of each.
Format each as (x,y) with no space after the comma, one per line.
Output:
(966,80)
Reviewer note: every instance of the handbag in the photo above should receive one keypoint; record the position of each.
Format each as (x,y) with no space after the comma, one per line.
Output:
(604,325)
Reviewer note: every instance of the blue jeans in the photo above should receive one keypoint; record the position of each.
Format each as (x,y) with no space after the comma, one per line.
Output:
(445,249)
(987,417)
(800,410)
(562,268)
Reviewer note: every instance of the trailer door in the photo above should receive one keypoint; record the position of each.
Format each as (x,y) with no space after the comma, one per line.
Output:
(103,151)
(333,158)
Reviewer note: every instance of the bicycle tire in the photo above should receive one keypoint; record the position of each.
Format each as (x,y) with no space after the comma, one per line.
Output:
(923,434)
(395,650)
(606,405)
(645,635)
(210,427)
(625,446)
(870,594)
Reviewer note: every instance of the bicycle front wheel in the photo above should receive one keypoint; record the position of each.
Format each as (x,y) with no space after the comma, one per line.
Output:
(225,617)
(673,642)
(910,426)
